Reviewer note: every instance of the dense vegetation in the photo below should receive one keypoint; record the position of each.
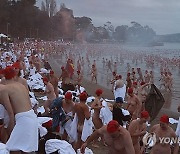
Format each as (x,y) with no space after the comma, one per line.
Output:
(23,19)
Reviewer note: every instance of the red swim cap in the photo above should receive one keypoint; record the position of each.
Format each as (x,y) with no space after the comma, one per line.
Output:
(144,114)
(16,65)
(130,90)
(112,126)
(83,96)
(99,92)
(134,83)
(68,95)
(164,119)
(45,79)
(9,72)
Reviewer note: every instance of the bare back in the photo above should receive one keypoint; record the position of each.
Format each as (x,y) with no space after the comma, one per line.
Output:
(18,97)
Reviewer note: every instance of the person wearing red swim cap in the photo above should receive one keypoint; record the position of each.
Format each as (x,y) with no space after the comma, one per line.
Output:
(135,87)
(137,129)
(64,76)
(82,111)
(54,81)
(22,127)
(163,130)
(129,81)
(94,73)
(117,138)
(146,77)
(97,105)
(68,107)
(79,79)
(134,105)
(49,91)
(113,79)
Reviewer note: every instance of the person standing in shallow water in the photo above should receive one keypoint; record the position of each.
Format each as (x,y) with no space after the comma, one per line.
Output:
(54,81)
(94,73)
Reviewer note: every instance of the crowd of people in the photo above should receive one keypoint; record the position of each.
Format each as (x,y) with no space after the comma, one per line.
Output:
(69,111)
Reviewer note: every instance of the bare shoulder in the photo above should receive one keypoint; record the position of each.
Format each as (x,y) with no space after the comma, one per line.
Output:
(24,80)
(155,127)
(102,130)
(133,122)
(84,106)
(172,132)
(125,132)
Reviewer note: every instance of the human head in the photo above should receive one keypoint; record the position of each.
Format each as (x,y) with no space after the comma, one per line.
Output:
(130,91)
(114,73)
(120,76)
(68,97)
(99,92)
(45,80)
(144,116)
(78,72)
(9,73)
(135,84)
(51,72)
(113,128)
(119,100)
(83,97)
(164,121)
